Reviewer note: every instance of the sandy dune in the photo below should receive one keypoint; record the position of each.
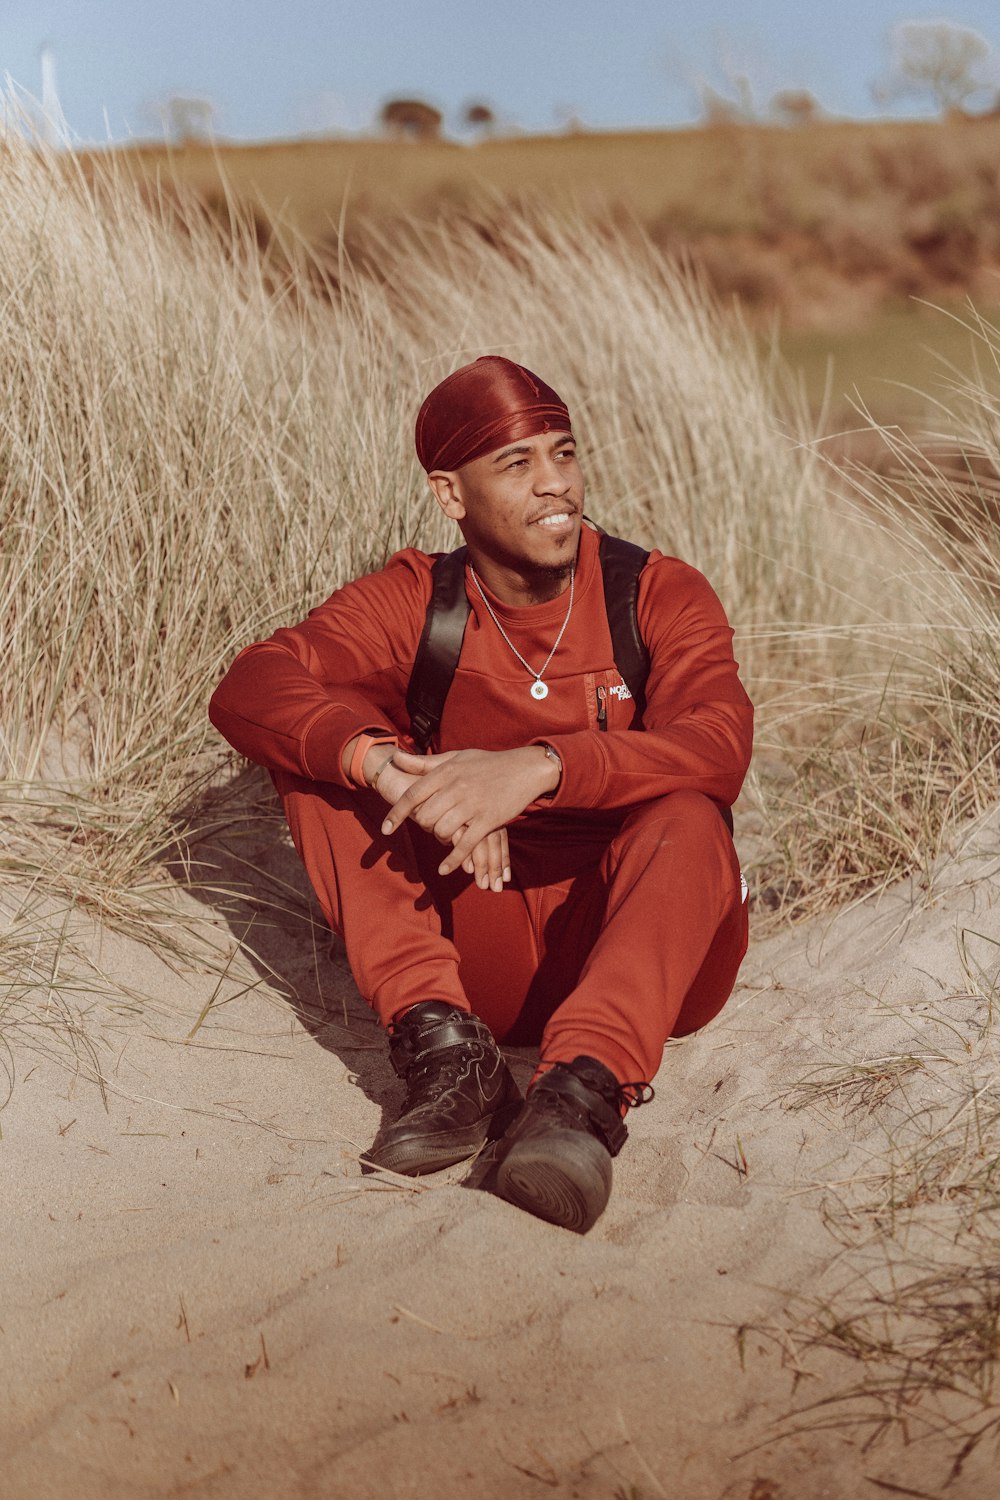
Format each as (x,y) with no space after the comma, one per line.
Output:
(203,1295)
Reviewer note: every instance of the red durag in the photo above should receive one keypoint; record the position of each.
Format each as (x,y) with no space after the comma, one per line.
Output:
(484,406)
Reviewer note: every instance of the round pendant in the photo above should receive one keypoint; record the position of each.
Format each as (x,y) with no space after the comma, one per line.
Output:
(539,690)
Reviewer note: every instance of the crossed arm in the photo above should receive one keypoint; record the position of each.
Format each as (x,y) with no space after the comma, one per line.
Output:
(292,703)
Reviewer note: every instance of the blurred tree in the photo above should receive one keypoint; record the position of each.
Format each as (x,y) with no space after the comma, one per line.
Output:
(950,63)
(568,118)
(187,119)
(479,117)
(410,120)
(795,107)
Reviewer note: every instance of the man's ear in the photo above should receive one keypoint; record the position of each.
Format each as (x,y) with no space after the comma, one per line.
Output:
(446,493)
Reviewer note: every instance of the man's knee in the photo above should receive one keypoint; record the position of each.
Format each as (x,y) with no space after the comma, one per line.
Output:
(692,812)
(684,837)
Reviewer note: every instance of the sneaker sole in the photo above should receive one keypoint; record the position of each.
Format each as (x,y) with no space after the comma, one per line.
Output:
(419,1154)
(415,1155)
(566,1182)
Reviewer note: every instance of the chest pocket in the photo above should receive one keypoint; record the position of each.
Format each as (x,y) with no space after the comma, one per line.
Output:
(610,705)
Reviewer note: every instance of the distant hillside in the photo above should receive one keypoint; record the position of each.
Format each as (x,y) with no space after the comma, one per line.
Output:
(823,222)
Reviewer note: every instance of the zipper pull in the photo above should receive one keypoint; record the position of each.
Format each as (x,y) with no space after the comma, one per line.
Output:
(602,708)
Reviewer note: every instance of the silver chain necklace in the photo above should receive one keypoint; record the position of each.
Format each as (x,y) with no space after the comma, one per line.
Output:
(539,690)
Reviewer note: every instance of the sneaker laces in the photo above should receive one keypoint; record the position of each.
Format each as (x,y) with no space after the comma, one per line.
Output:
(631,1095)
(437,1072)
(602,1104)
(620,1096)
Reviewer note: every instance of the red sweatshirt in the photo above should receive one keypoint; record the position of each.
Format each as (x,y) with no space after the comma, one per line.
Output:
(294,701)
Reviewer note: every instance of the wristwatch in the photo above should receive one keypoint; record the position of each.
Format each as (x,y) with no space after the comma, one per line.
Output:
(553,754)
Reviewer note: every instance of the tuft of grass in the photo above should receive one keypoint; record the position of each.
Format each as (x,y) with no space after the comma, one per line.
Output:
(927,1341)
(910,1308)
(855,1088)
(878,780)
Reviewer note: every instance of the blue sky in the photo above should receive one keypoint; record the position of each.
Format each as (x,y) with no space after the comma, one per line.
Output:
(285,67)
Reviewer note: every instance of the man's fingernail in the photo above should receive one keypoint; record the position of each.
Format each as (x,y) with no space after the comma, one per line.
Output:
(506,872)
(387,826)
(498,885)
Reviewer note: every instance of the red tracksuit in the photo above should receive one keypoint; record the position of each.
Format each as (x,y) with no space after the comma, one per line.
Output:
(624,923)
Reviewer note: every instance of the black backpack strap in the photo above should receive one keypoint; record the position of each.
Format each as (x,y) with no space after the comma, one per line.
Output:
(440,647)
(621,564)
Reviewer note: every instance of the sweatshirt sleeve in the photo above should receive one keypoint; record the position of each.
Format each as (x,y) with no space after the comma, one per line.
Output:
(698,723)
(292,702)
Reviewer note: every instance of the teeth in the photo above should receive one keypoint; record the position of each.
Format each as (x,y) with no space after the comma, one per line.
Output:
(559,520)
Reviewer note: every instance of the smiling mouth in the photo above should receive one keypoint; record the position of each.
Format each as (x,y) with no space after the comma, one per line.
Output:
(555,521)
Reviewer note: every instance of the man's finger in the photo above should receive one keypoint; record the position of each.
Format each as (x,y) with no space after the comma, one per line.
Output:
(413,765)
(415,797)
(439,815)
(496,860)
(447,827)
(419,765)
(486,862)
(425,786)
(466,840)
(479,859)
(504,855)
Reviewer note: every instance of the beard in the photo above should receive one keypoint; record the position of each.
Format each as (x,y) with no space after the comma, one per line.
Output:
(548,581)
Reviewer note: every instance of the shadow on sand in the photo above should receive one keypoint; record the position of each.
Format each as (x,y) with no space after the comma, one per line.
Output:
(240,862)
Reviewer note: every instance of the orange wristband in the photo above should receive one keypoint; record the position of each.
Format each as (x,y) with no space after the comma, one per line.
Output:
(361,749)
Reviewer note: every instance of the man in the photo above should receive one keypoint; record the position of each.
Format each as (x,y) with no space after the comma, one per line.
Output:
(557,871)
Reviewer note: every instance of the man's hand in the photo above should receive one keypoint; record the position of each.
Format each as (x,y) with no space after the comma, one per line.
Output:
(464,797)
(488,861)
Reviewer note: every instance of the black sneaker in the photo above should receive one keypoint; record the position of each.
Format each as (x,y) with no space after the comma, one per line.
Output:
(458,1089)
(555,1160)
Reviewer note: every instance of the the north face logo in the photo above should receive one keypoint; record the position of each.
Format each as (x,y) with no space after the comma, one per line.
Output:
(620,691)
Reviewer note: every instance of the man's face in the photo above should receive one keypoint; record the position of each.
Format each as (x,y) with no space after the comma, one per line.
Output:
(520,507)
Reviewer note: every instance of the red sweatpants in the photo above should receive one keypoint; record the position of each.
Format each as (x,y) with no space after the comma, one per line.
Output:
(602,948)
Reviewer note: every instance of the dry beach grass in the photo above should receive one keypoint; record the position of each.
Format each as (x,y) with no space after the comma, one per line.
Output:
(197,441)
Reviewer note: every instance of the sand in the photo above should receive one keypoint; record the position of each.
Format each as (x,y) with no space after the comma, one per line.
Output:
(204,1296)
